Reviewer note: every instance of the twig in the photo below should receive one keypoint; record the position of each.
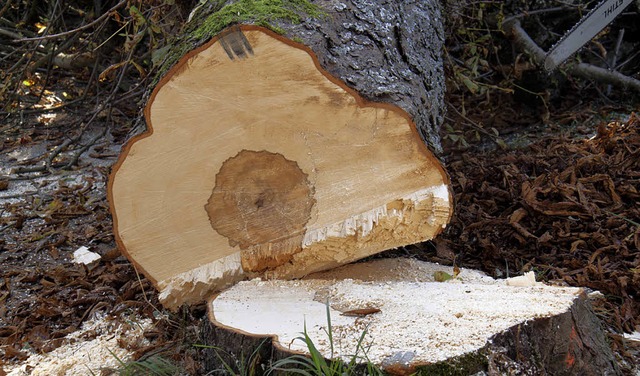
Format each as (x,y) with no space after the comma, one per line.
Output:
(10,53)
(477,127)
(144,294)
(603,75)
(74,159)
(69,32)
(84,148)
(18,195)
(10,34)
(629,59)
(41,110)
(50,55)
(614,58)
(14,26)
(47,163)
(539,11)
(524,41)
(5,8)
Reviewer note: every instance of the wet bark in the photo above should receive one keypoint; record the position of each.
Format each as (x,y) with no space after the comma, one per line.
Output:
(388,51)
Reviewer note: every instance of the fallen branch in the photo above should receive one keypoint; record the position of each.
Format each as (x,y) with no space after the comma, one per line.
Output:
(9,33)
(476,126)
(5,7)
(592,72)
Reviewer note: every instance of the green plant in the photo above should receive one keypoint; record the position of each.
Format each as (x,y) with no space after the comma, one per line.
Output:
(155,365)
(258,12)
(316,365)
(244,367)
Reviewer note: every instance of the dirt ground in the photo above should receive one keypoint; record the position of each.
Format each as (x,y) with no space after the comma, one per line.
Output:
(549,184)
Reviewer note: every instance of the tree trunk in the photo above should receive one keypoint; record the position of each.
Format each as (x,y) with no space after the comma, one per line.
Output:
(388,51)
(263,159)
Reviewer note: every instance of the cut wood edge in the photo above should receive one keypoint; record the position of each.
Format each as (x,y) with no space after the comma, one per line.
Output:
(414,323)
(195,284)
(432,204)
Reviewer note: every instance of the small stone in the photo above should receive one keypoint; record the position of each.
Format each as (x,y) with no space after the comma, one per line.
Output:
(83,255)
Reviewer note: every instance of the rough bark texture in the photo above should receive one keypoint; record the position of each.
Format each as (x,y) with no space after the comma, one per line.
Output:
(388,51)
(569,344)
(228,347)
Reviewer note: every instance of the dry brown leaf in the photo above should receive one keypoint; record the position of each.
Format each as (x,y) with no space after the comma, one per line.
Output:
(361,312)
(11,352)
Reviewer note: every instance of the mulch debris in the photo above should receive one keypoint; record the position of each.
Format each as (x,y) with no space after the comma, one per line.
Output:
(44,296)
(566,208)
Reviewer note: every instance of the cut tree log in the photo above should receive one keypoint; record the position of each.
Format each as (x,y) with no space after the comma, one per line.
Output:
(260,163)
(412,324)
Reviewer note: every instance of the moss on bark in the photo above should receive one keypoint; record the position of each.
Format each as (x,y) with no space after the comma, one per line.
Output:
(257,12)
(467,364)
(211,17)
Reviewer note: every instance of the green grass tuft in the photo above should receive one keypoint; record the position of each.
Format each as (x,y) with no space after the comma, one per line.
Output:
(316,365)
(243,366)
(152,366)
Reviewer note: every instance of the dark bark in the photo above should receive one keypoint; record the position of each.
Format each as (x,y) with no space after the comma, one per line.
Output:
(226,348)
(572,343)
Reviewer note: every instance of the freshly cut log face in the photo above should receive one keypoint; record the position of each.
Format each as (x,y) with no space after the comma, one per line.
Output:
(258,163)
(410,319)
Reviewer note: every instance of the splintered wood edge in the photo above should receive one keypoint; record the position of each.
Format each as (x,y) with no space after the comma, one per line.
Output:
(193,286)
(436,328)
(431,203)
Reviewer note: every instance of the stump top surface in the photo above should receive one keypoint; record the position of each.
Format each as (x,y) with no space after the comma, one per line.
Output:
(407,315)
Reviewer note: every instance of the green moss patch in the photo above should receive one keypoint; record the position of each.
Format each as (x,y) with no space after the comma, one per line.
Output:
(258,12)
(463,365)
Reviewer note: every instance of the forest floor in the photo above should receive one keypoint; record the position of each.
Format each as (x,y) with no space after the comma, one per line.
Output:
(544,184)
(559,199)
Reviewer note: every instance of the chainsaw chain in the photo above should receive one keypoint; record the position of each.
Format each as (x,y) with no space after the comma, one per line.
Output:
(566,35)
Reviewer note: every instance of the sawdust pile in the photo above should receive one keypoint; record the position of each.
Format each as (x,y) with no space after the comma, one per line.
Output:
(99,347)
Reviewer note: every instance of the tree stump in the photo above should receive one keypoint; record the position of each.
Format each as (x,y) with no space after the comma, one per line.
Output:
(394,313)
(260,163)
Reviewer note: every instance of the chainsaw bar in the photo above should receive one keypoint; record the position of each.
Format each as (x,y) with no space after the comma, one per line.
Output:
(587,28)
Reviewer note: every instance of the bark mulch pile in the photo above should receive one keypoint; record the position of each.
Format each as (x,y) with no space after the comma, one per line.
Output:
(564,207)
